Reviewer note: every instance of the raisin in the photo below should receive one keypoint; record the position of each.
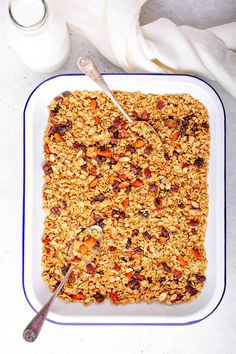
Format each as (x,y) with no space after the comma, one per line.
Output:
(116,134)
(55,211)
(193,222)
(148,150)
(116,213)
(165,233)
(69,125)
(175,153)
(205,125)
(146,235)
(116,189)
(100,197)
(157,203)
(64,270)
(47,168)
(191,290)
(194,231)
(144,213)
(138,250)
(174,188)
(134,284)
(198,162)
(166,156)
(182,131)
(128,243)
(166,268)
(200,278)
(114,141)
(66,93)
(162,280)
(128,189)
(135,232)
(130,148)
(153,188)
(149,279)
(195,127)
(99,297)
(112,129)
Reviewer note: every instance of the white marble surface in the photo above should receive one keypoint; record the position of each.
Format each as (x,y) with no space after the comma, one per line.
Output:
(215,334)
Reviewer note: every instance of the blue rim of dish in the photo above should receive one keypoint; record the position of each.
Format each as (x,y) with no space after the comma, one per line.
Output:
(23,210)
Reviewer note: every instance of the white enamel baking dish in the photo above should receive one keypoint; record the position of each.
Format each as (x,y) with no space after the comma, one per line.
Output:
(35,121)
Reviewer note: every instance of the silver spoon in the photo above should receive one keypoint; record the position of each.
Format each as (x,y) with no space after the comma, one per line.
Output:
(88,67)
(33,329)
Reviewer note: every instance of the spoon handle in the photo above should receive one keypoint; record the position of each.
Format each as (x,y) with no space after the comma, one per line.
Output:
(33,329)
(88,67)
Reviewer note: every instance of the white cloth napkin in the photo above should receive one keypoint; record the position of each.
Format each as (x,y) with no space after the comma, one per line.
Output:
(113,28)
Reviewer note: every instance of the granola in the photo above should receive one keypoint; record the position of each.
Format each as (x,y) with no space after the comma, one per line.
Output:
(148,193)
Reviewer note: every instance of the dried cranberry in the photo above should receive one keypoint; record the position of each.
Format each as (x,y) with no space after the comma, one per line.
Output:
(117,122)
(153,188)
(166,156)
(135,232)
(99,297)
(144,213)
(194,231)
(148,150)
(122,215)
(90,269)
(47,168)
(100,197)
(198,162)
(130,148)
(134,284)
(147,173)
(55,211)
(193,222)
(146,235)
(116,267)
(76,145)
(112,248)
(145,116)
(128,243)
(200,278)
(157,203)
(115,141)
(166,268)
(174,188)
(160,104)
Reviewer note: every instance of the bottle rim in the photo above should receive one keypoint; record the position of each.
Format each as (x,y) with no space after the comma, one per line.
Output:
(35,25)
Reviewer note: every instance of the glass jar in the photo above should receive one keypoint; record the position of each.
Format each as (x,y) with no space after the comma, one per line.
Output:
(39,36)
